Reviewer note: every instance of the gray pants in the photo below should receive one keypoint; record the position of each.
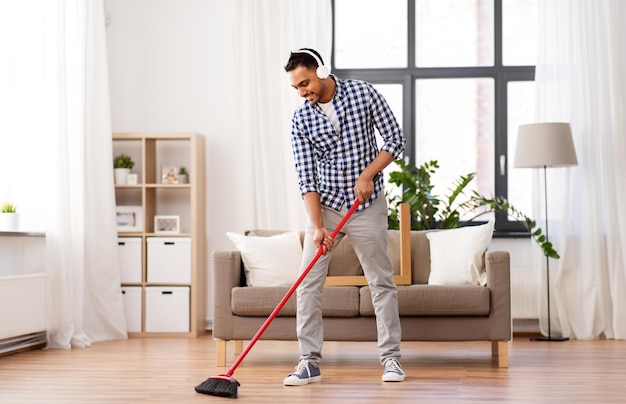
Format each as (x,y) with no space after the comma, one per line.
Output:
(368,233)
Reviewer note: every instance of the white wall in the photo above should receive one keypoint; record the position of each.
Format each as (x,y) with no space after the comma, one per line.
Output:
(171,68)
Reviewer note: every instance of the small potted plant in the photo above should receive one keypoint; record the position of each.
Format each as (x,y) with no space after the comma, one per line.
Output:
(122,164)
(182,175)
(9,218)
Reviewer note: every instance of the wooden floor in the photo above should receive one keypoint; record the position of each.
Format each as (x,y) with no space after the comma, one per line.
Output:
(166,370)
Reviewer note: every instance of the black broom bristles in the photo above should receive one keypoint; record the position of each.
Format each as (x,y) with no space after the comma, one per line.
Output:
(221,386)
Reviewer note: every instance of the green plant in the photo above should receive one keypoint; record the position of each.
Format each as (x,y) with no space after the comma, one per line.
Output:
(8,207)
(182,170)
(430,211)
(123,161)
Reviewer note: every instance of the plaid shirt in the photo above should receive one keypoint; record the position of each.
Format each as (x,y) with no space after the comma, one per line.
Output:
(330,162)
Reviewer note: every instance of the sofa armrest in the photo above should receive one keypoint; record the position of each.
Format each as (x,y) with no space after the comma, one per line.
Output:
(498,267)
(226,276)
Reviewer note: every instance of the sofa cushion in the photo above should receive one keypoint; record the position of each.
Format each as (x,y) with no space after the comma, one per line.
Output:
(337,301)
(435,300)
(344,261)
(420,256)
(269,261)
(456,255)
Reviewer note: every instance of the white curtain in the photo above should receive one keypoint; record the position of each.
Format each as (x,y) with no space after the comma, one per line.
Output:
(58,128)
(581,79)
(266,31)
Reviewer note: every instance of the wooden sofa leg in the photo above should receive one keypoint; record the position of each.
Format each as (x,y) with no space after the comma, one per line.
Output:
(238,347)
(500,349)
(220,352)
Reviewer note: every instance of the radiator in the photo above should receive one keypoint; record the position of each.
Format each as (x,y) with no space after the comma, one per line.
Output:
(525,294)
(22,305)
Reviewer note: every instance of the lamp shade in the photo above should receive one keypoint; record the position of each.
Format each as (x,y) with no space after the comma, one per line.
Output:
(547,144)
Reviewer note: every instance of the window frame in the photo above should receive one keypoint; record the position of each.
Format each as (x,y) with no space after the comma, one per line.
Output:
(406,77)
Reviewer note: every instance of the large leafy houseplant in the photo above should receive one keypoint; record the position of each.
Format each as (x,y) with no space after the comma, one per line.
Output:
(456,209)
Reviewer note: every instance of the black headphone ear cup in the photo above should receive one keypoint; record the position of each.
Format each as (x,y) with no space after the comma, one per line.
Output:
(323,72)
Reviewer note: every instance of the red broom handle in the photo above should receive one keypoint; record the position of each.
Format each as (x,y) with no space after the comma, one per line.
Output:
(293,288)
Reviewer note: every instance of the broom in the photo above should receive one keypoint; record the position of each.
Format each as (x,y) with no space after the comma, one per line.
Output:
(225,385)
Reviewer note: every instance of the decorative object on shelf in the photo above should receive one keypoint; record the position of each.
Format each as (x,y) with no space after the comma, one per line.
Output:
(129,218)
(122,164)
(167,224)
(543,145)
(169,175)
(183,175)
(9,218)
(131,179)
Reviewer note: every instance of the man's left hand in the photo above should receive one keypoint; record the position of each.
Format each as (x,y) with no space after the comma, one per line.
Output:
(363,189)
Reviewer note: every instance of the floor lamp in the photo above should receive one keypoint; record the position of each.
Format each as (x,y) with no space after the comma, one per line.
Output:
(545,145)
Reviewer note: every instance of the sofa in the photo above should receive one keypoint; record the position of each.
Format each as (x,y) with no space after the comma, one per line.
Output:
(428,312)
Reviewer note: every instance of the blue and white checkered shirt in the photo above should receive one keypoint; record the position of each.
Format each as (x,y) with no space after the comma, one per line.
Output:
(330,162)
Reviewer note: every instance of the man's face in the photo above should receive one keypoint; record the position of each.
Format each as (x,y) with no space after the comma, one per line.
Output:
(306,83)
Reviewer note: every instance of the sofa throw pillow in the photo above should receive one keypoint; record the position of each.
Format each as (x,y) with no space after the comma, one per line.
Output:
(269,261)
(456,255)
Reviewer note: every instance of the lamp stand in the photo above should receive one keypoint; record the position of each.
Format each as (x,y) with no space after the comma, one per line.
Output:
(549,337)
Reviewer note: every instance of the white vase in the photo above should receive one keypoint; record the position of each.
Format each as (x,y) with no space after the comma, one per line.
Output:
(9,221)
(120,175)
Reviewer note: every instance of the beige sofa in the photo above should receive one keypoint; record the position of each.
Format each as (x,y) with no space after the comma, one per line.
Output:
(428,312)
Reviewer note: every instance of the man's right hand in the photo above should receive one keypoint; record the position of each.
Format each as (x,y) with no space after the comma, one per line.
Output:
(322,239)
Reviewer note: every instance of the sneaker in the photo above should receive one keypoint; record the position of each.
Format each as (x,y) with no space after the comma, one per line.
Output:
(305,373)
(393,371)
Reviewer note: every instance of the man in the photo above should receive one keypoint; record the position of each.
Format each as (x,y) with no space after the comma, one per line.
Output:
(338,161)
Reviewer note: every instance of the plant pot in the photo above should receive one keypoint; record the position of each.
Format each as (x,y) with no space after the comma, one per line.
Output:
(182,178)
(120,175)
(9,221)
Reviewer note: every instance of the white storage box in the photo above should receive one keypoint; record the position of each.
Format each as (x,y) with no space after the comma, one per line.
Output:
(129,249)
(167,309)
(169,260)
(131,296)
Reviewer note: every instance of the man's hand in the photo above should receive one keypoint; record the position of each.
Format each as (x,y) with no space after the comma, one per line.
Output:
(363,188)
(322,239)
(365,184)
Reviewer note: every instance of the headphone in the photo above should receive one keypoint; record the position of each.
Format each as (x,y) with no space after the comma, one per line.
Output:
(322,71)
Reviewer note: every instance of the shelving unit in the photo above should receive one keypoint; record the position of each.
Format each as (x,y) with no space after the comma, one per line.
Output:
(163,274)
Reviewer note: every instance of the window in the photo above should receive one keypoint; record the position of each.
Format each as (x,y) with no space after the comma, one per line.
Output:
(459,75)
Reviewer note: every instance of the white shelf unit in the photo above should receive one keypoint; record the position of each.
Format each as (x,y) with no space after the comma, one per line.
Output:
(175,253)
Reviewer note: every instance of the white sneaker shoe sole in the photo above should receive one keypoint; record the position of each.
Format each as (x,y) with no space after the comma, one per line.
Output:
(296,381)
(393,377)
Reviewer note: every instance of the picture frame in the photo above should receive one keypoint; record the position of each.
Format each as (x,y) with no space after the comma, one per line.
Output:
(129,218)
(168,224)
(131,179)
(169,175)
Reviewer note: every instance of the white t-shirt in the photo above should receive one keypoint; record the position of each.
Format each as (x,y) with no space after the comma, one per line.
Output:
(331,114)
